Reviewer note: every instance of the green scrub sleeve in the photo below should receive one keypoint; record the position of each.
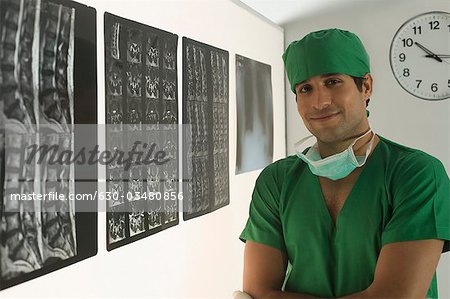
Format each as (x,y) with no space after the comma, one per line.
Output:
(264,225)
(421,201)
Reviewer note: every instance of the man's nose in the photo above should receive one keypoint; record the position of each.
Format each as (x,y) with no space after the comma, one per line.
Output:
(322,98)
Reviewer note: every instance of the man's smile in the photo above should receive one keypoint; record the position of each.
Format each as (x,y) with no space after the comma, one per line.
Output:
(323,116)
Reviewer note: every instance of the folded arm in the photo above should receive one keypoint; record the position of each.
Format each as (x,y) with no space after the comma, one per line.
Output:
(404,269)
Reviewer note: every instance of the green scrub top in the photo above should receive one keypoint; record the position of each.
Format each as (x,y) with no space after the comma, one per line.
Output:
(401,194)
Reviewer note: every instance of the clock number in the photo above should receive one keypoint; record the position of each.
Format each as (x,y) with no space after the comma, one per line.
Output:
(407,42)
(448,28)
(417,30)
(434,25)
(402,57)
(406,72)
(418,83)
(449,83)
(434,87)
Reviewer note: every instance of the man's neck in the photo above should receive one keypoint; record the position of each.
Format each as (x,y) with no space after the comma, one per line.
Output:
(332,148)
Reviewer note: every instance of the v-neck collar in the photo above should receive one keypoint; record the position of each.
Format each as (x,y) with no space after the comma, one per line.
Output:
(348,200)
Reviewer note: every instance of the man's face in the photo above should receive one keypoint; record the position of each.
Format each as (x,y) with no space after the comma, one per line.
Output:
(332,107)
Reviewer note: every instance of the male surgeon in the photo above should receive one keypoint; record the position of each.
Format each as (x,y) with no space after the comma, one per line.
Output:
(355,215)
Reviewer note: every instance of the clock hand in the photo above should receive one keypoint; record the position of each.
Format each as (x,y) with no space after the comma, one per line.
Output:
(439,55)
(425,49)
(432,55)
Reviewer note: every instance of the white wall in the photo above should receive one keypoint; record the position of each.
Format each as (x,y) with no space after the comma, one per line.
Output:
(200,258)
(395,114)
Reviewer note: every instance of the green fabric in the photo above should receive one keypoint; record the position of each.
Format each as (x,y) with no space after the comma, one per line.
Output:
(322,52)
(402,194)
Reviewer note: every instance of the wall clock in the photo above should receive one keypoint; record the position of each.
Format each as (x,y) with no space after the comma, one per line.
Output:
(420,56)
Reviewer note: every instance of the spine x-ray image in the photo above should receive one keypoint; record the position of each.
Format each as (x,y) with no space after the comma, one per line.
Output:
(205,110)
(36,58)
(141,105)
(37,61)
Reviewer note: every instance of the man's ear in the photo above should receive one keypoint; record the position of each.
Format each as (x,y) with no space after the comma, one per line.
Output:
(367,86)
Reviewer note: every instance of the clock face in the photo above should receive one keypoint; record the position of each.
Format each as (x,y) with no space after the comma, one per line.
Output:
(420,56)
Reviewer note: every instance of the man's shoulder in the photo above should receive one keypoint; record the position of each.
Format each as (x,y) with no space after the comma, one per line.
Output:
(399,151)
(403,157)
(397,148)
(282,165)
(280,168)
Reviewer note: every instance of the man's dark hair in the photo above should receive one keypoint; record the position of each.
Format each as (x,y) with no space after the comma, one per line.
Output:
(359,83)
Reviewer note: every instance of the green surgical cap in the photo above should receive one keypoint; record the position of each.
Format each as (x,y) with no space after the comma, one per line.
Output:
(330,51)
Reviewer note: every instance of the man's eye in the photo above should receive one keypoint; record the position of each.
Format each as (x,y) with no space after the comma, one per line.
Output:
(332,81)
(304,89)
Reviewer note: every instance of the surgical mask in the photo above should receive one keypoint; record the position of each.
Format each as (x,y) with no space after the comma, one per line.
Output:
(337,166)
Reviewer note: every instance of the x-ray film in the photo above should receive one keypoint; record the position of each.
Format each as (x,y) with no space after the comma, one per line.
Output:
(142,106)
(205,109)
